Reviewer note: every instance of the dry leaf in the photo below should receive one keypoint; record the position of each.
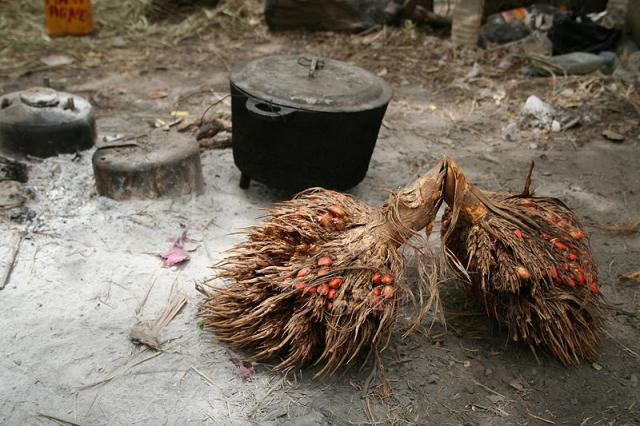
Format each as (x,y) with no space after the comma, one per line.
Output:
(613,136)
(158,94)
(622,229)
(245,368)
(633,276)
(517,385)
(176,254)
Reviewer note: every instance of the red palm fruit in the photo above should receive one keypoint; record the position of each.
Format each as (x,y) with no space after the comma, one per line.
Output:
(560,245)
(325,261)
(388,291)
(338,224)
(302,273)
(377,291)
(325,220)
(594,288)
(331,294)
(518,234)
(301,284)
(335,282)
(323,271)
(523,273)
(377,278)
(570,281)
(576,234)
(323,290)
(311,290)
(328,304)
(545,235)
(386,279)
(572,256)
(337,211)
(580,277)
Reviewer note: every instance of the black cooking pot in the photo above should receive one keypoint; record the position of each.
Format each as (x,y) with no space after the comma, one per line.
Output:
(301,122)
(43,122)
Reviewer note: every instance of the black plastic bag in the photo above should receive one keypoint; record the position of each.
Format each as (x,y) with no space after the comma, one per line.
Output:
(572,33)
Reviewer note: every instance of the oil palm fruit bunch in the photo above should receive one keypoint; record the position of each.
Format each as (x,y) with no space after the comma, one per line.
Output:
(527,262)
(321,279)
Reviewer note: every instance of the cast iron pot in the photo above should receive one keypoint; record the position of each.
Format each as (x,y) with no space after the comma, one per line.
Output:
(302,122)
(43,122)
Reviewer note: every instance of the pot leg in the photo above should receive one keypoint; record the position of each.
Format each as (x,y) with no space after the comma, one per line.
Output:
(244,181)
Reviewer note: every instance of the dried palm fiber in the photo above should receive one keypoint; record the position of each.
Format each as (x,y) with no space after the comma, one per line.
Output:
(528,263)
(321,279)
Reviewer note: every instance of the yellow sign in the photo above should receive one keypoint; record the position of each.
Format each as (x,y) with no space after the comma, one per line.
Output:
(68,17)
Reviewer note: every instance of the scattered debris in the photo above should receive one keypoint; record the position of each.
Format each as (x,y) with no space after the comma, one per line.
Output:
(628,71)
(246,369)
(57,419)
(220,141)
(612,136)
(149,336)
(208,130)
(537,114)
(596,366)
(158,94)
(12,170)
(624,229)
(571,63)
(176,254)
(14,248)
(517,385)
(631,277)
(56,60)
(12,194)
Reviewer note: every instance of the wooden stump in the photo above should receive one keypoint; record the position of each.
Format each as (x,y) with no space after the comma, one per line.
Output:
(163,164)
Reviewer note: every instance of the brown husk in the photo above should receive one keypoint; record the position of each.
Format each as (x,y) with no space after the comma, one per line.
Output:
(512,278)
(260,308)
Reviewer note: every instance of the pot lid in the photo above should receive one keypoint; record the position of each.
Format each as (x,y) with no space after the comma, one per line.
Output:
(40,97)
(42,106)
(311,83)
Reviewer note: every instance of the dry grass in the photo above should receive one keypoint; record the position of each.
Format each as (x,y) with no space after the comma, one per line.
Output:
(23,35)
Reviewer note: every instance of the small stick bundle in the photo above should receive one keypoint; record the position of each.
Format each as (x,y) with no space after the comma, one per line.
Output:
(321,278)
(528,263)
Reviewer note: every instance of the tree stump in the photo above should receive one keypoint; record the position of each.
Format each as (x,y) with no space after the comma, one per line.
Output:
(163,164)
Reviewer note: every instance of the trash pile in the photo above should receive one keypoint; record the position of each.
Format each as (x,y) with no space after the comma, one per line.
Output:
(321,280)
(577,43)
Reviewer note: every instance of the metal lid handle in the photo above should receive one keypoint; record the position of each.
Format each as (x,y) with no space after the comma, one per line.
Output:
(313,63)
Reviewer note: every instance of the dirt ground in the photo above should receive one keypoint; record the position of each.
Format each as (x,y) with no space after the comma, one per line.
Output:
(86,271)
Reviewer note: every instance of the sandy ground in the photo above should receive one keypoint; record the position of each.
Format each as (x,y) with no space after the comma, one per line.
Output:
(87,271)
